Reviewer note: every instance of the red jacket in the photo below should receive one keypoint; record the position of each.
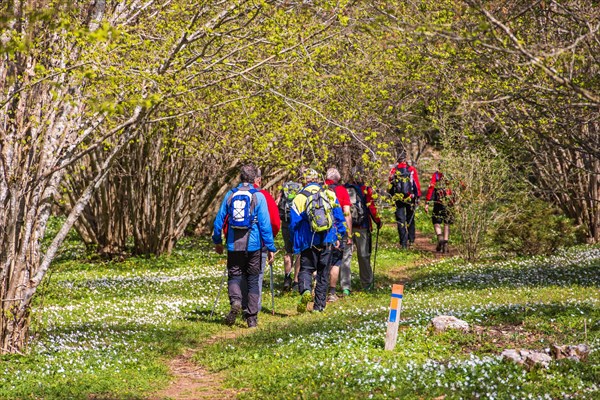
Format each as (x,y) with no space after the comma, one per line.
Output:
(340,192)
(273,211)
(435,178)
(413,172)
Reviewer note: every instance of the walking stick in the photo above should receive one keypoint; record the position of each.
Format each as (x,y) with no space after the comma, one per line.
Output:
(219,292)
(375,257)
(272,292)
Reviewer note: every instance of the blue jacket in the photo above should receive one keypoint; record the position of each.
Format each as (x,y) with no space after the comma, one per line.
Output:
(260,232)
(302,236)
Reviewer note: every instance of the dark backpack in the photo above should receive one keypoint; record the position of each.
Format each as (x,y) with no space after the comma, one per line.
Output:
(319,210)
(288,194)
(240,207)
(402,182)
(358,205)
(441,192)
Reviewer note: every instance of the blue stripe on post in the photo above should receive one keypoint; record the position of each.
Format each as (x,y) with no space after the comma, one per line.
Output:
(398,296)
(393,315)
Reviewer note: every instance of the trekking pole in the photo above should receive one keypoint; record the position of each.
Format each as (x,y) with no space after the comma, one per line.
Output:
(272,292)
(412,218)
(219,292)
(375,257)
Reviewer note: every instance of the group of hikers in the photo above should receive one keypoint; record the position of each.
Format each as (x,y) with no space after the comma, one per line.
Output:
(322,223)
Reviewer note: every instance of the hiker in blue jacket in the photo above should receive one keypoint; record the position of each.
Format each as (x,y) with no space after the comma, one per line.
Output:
(245,212)
(315,247)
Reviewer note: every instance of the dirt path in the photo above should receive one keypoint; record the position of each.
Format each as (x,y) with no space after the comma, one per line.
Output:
(191,382)
(423,243)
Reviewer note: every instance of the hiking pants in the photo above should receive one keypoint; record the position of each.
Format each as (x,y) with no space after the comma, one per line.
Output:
(363,243)
(405,219)
(345,273)
(311,260)
(244,266)
(244,284)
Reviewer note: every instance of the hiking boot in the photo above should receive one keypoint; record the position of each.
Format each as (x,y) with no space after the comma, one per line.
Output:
(444,248)
(252,322)
(233,313)
(346,292)
(287,283)
(295,287)
(438,248)
(304,300)
(332,297)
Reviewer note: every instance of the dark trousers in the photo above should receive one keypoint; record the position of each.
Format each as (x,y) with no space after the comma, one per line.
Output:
(405,219)
(244,266)
(244,284)
(311,260)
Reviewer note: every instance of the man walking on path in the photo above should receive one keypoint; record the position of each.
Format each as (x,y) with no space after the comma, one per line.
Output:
(332,180)
(249,228)
(315,231)
(275,226)
(286,197)
(405,189)
(363,214)
(441,196)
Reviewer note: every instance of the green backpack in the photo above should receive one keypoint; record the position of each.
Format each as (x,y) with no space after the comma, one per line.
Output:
(319,210)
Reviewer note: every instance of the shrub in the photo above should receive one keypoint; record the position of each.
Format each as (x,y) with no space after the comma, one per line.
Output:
(537,228)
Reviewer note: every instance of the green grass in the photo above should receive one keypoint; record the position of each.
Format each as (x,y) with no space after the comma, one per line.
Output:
(106,330)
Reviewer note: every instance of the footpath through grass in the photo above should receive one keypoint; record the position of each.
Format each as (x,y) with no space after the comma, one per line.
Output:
(107,330)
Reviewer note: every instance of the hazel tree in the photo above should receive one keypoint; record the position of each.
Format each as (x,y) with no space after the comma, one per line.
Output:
(83,79)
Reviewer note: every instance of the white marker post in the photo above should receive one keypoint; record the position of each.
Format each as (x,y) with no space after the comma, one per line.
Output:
(393,320)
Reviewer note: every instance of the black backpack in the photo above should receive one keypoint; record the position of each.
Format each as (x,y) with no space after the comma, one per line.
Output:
(358,207)
(289,191)
(441,192)
(402,182)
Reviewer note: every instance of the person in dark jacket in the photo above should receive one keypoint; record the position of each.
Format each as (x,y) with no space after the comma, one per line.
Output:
(244,242)
(405,189)
(362,226)
(286,196)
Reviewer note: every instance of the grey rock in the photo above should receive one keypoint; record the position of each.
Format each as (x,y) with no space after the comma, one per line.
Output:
(441,323)
(513,355)
(535,358)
